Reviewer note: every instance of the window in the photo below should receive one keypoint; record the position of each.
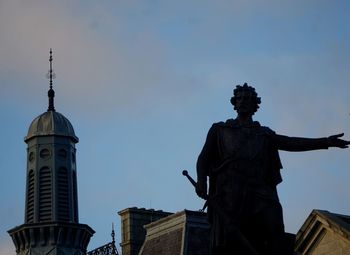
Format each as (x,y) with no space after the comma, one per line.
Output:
(75,190)
(30,197)
(31,156)
(45,154)
(63,195)
(45,195)
(62,154)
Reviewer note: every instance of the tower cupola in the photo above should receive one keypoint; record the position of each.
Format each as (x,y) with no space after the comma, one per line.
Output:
(51,207)
(51,166)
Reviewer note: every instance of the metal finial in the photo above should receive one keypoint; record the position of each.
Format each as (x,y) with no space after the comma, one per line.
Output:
(113,234)
(51,93)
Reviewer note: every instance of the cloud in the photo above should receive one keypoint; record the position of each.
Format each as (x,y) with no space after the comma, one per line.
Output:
(103,63)
(110,69)
(131,57)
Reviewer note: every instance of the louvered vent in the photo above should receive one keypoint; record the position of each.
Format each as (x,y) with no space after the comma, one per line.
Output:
(75,190)
(63,195)
(45,195)
(30,198)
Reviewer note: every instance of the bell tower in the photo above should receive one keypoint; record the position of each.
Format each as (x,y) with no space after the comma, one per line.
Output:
(51,221)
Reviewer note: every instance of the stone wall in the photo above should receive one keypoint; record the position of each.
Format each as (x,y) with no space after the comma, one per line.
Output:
(333,244)
(183,233)
(133,232)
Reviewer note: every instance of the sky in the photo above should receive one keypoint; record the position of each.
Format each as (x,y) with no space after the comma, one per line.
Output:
(143,81)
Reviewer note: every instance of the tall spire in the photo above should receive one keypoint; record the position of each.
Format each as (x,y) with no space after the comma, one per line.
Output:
(51,92)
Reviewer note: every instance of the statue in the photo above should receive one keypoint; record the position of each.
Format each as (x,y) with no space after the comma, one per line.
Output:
(241,159)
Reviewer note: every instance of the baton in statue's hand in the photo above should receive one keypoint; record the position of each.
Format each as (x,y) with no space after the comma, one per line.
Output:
(185,173)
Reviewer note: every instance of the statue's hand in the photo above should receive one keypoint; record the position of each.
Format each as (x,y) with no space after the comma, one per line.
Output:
(334,141)
(201,189)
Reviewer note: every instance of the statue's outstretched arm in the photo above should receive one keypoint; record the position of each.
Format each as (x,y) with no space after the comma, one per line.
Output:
(306,144)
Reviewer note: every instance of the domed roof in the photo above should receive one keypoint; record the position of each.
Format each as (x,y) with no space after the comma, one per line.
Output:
(51,123)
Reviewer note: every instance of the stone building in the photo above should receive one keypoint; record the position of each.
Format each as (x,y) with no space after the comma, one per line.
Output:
(187,233)
(324,233)
(154,232)
(184,233)
(133,232)
(51,224)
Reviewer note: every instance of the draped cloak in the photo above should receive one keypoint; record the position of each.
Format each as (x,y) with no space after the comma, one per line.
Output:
(243,166)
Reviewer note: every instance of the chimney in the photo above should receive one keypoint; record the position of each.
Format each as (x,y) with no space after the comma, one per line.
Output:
(133,233)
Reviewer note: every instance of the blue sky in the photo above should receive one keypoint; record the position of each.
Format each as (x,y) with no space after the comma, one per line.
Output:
(142,82)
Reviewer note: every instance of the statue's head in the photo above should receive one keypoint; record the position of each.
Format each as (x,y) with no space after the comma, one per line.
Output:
(245,99)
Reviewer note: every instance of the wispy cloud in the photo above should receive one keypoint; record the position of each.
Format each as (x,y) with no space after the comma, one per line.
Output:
(110,68)
(133,53)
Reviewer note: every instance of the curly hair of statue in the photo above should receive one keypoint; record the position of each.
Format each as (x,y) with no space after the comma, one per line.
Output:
(249,89)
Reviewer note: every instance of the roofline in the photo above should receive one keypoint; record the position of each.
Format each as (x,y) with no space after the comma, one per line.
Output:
(317,223)
(27,138)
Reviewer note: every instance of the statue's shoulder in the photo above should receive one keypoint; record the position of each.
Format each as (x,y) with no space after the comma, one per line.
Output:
(227,124)
(220,124)
(230,123)
(266,130)
(233,123)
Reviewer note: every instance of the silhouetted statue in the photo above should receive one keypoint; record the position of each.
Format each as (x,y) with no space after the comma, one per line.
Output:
(241,159)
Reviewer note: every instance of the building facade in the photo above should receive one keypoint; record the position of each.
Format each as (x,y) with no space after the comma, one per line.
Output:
(183,233)
(133,233)
(324,232)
